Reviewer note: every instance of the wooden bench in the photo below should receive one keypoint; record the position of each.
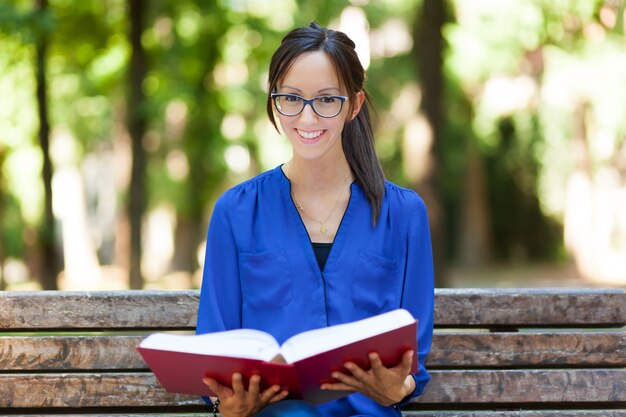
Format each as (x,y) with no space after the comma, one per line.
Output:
(496,353)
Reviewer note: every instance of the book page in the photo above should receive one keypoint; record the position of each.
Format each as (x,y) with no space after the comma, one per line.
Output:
(312,342)
(240,343)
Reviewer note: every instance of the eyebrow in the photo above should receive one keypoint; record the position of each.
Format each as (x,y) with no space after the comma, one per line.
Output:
(318,91)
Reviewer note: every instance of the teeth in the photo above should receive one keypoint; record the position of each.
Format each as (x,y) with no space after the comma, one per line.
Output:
(310,135)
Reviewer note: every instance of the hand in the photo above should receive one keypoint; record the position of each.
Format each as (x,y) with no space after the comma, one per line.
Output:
(237,402)
(386,386)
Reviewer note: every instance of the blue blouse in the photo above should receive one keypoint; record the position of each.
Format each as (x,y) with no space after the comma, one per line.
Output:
(261,273)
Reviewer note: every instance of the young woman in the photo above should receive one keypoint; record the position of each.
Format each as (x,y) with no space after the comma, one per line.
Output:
(322,239)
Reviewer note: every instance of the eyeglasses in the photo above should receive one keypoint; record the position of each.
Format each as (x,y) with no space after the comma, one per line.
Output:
(323,106)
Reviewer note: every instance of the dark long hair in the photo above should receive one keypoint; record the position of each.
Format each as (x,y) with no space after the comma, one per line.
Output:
(357,138)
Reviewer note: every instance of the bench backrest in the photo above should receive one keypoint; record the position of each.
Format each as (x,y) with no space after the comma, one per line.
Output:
(507,350)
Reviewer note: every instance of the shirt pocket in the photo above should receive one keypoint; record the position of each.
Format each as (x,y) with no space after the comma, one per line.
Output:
(265,279)
(375,283)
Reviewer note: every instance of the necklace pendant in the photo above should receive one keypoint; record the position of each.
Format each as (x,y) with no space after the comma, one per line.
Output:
(323,229)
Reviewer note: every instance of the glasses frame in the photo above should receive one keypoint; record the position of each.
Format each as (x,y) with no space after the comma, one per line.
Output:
(310,102)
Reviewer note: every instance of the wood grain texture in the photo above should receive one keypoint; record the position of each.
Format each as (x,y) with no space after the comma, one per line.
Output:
(536,349)
(601,386)
(70,353)
(450,350)
(98,310)
(538,413)
(135,389)
(534,413)
(178,309)
(530,307)
(132,389)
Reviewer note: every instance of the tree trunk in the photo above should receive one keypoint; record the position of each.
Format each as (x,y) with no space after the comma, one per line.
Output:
(136,128)
(3,191)
(474,235)
(50,261)
(428,49)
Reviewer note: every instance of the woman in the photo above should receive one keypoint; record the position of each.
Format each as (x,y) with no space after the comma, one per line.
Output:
(322,239)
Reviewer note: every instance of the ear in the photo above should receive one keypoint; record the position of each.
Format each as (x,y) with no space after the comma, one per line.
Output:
(359,99)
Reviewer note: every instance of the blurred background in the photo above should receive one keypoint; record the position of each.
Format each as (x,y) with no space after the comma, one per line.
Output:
(121,122)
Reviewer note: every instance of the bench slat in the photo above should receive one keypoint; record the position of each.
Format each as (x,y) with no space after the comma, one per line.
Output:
(449,350)
(535,413)
(70,353)
(131,389)
(536,349)
(538,413)
(572,386)
(177,309)
(64,310)
(530,307)
(512,387)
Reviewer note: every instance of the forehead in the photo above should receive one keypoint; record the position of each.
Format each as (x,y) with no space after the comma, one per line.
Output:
(311,72)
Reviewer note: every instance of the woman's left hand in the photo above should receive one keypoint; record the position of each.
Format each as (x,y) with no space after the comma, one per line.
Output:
(386,386)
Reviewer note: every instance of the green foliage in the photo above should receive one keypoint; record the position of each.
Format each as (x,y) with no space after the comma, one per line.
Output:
(516,74)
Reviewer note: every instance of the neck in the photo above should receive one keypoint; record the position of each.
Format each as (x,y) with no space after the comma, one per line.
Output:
(315,177)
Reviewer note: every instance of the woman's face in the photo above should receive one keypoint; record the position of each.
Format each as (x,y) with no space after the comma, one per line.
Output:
(314,137)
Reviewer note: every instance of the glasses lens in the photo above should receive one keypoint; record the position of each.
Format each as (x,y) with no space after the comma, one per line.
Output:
(328,106)
(289,104)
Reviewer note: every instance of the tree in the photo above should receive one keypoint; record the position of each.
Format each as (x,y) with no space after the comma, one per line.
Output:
(51,265)
(429,47)
(136,127)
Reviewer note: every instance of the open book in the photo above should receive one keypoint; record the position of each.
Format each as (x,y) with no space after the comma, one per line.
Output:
(180,362)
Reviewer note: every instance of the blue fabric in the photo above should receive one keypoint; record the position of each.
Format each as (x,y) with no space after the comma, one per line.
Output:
(289,408)
(260,270)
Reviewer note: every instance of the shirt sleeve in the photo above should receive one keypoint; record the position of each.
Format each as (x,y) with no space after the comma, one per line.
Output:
(220,296)
(419,291)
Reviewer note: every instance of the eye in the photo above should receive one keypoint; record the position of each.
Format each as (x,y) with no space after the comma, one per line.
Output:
(327,99)
(291,99)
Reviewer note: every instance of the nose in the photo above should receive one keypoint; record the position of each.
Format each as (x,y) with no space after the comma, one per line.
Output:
(308,115)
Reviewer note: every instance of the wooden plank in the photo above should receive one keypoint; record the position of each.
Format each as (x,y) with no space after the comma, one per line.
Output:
(537,413)
(26,310)
(537,349)
(518,413)
(530,307)
(23,310)
(57,390)
(66,353)
(450,350)
(517,388)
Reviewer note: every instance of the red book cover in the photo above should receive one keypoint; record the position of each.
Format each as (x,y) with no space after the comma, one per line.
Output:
(314,355)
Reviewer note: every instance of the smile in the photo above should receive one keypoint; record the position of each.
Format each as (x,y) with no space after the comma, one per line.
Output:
(310,135)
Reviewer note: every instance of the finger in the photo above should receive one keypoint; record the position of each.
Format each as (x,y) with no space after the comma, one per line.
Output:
(270,393)
(219,389)
(254,386)
(375,361)
(238,387)
(378,368)
(348,380)
(407,361)
(280,396)
(355,370)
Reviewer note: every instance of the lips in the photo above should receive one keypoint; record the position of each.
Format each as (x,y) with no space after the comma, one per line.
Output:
(310,136)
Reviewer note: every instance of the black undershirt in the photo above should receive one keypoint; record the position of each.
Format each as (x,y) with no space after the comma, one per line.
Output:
(321,253)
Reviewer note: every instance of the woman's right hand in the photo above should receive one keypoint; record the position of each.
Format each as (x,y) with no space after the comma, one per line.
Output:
(237,402)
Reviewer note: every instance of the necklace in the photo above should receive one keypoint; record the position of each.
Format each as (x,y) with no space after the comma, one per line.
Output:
(323,228)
